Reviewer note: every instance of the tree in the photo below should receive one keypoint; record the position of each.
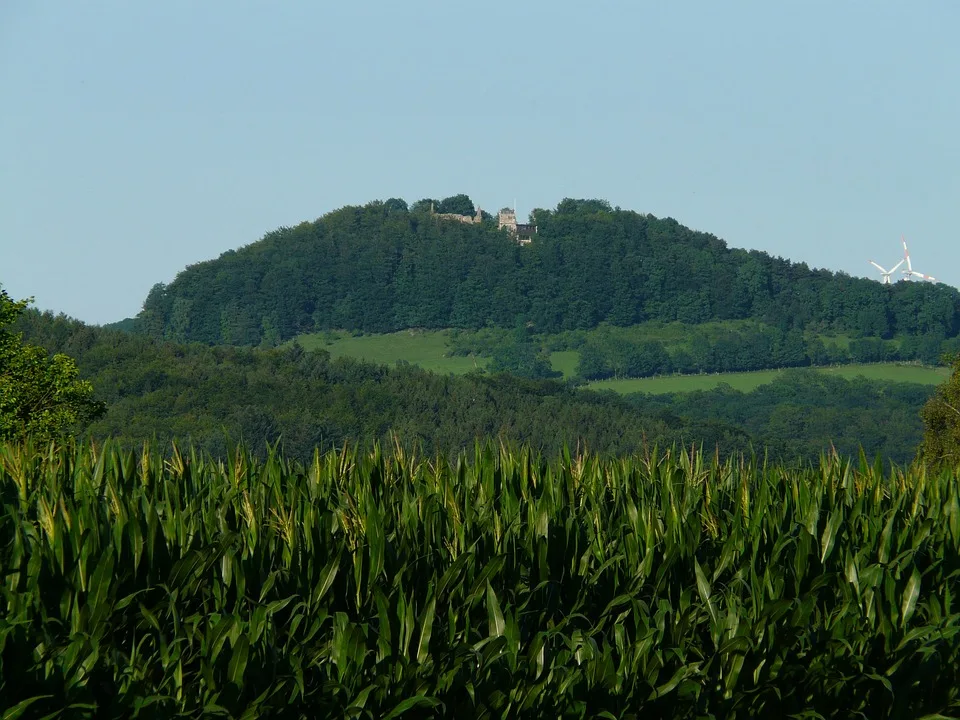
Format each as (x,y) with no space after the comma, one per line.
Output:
(40,396)
(396,205)
(790,350)
(459,204)
(648,358)
(593,363)
(867,350)
(520,356)
(424,205)
(378,269)
(941,422)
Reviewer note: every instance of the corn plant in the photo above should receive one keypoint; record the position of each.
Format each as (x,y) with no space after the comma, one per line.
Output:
(161,584)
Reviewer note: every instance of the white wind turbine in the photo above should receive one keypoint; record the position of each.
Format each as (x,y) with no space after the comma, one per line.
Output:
(910,272)
(887,273)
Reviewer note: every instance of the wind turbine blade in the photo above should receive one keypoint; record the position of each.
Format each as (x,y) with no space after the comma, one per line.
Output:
(897,265)
(906,253)
(880,268)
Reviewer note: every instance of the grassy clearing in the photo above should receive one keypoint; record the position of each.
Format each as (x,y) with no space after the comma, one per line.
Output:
(425,348)
(895,372)
(745,382)
(687,383)
(672,335)
(428,349)
(565,361)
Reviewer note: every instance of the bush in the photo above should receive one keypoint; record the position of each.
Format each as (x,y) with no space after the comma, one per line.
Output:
(941,421)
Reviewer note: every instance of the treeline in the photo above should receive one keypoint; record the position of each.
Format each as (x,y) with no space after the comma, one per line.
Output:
(384,267)
(214,395)
(803,411)
(211,395)
(609,355)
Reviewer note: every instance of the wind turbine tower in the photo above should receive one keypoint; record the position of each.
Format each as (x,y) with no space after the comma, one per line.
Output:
(887,273)
(910,272)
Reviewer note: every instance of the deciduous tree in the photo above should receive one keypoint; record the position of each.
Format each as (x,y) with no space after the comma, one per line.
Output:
(39,396)
(941,421)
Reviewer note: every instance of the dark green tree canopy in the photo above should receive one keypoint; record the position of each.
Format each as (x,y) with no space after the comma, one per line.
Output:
(424,205)
(396,204)
(379,268)
(520,356)
(941,420)
(40,396)
(460,204)
(160,390)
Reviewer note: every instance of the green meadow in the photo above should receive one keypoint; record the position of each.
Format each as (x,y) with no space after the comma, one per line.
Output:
(747,381)
(426,348)
(565,361)
(430,349)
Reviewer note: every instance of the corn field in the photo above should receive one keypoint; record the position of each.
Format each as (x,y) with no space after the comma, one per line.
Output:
(167,584)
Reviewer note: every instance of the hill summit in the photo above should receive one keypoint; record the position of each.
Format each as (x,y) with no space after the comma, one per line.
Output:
(386,266)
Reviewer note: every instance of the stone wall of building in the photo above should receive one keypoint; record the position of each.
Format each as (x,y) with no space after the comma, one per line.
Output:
(506,218)
(466,219)
(523,232)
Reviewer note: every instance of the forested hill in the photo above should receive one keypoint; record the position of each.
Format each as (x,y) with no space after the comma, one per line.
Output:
(384,267)
(157,391)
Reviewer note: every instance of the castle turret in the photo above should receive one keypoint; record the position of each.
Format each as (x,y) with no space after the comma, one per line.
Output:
(522,232)
(507,219)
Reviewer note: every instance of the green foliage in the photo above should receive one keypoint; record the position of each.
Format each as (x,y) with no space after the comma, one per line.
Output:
(160,391)
(685,352)
(379,268)
(881,374)
(499,585)
(458,204)
(131,325)
(39,395)
(481,343)
(603,358)
(801,412)
(519,355)
(941,419)
(396,205)
(425,205)
(428,349)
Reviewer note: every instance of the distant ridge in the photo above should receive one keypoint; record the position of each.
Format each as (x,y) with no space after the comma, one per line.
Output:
(385,266)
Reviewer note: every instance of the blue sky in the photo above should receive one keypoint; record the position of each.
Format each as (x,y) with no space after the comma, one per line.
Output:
(137,138)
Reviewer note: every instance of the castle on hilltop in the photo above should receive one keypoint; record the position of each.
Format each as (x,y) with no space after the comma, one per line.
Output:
(507,218)
(466,219)
(523,232)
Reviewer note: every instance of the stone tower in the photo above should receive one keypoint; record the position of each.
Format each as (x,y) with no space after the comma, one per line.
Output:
(507,219)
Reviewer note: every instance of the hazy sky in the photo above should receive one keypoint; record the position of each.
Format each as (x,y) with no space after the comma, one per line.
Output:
(139,137)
